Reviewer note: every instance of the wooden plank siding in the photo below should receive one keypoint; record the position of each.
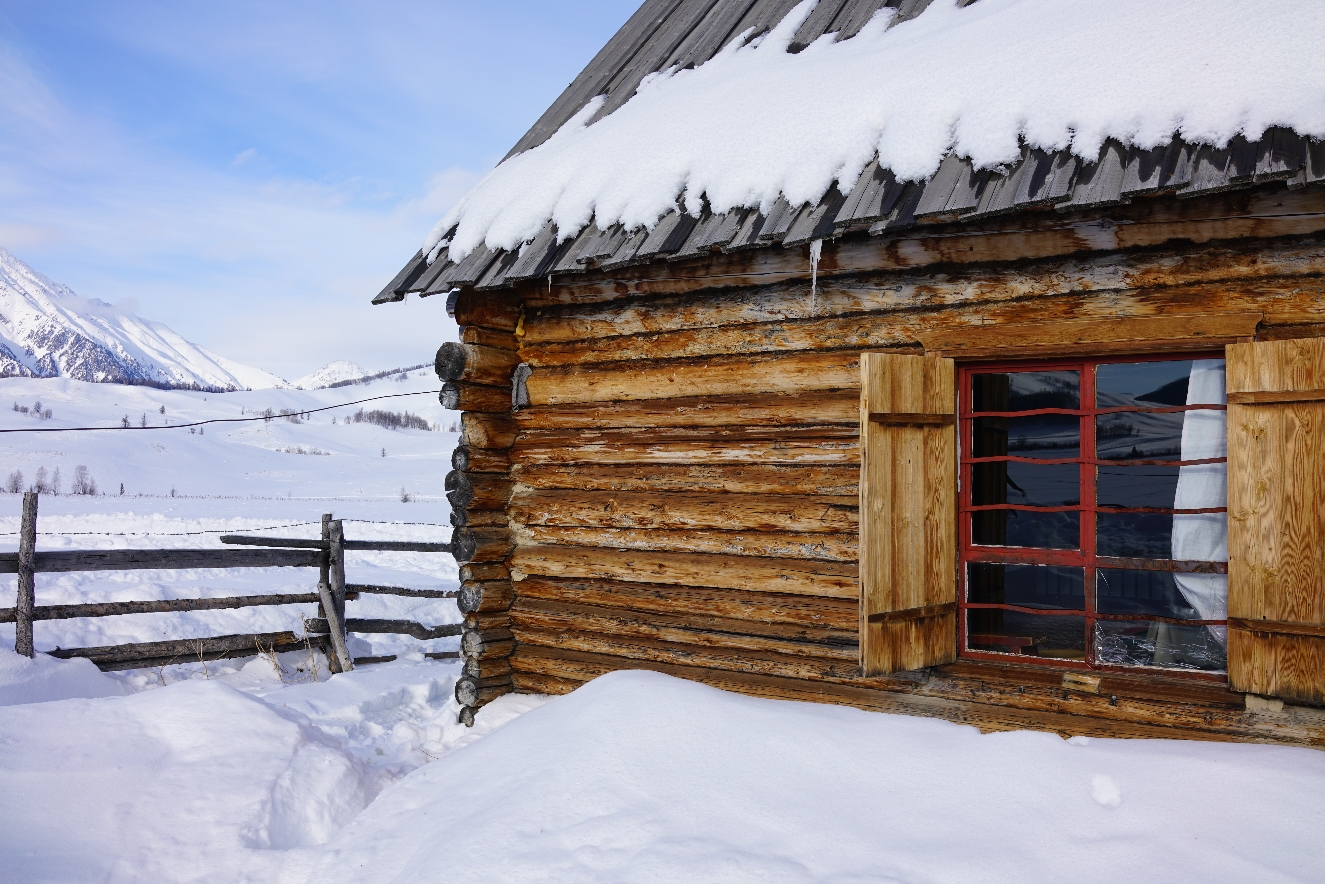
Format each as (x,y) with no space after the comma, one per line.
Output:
(683,487)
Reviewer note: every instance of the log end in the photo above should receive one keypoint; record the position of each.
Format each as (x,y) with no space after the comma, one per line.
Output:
(450,363)
(450,396)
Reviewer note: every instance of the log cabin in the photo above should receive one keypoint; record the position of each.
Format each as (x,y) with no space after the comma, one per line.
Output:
(1036,444)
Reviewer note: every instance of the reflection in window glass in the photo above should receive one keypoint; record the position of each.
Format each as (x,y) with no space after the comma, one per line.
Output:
(1166,645)
(1134,535)
(1059,637)
(1142,593)
(1026,390)
(1052,587)
(1045,436)
(1026,528)
(1144,384)
(1147,486)
(1025,484)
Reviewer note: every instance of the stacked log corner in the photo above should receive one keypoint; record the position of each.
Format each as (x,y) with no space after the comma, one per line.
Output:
(476,377)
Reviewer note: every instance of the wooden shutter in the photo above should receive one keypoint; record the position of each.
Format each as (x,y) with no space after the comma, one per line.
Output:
(908,521)
(1276,519)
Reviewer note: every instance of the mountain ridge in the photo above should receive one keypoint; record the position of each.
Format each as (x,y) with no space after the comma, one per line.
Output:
(48,330)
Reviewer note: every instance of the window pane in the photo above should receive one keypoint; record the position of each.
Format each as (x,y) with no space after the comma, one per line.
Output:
(1134,535)
(1027,484)
(1144,384)
(1060,637)
(1052,587)
(1144,593)
(1026,528)
(1137,486)
(1167,645)
(1048,436)
(1026,390)
(1132,435)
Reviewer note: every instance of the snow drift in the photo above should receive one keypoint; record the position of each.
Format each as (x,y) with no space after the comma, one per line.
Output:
(757,121)
(46,330)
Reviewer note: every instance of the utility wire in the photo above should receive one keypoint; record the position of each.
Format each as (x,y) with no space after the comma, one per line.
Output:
(216,420)
(213,530)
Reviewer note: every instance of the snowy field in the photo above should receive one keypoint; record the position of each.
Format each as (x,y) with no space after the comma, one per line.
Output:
(271,770)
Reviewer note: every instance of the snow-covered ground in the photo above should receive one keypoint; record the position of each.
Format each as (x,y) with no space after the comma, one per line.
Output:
(271,770)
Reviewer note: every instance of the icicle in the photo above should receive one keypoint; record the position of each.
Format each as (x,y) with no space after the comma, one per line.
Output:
(816,249)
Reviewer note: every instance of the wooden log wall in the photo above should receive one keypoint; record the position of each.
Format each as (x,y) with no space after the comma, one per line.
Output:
(680,494)
(476,374)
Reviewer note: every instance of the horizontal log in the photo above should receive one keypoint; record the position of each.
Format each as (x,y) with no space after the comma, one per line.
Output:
(801,451)
(799,577)
(537,683)
(671,510)
(479,572)
(537,439)
(480,491)
(442,655)
(461,396)
(318,626)
(686,629)
(375,589)
(402,627)
(493,595)
(467,459)
(1132,331)
(486,621)
(487,667)
(369,661)
(749,478)
(475,364)
(130,656)
(496,310)
(475,692)
(476,518)
(735,604)
(488,337)
(481,544)
(1231,219)
(758,410)
(397,546)
(493,643)
(650,649)
(159,606)
(480,430)
(718,376)
(962,701)
(782,545)
(275,542)
(162,559)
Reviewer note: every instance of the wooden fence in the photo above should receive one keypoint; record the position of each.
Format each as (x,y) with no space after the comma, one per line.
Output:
(327,630)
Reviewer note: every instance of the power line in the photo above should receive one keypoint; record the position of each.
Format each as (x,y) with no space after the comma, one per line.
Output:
(213,530)
(216,420)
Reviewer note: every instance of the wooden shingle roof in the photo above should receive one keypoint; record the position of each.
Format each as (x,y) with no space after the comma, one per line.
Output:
(666,34)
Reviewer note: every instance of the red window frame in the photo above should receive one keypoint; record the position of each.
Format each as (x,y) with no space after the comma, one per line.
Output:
(1085,556)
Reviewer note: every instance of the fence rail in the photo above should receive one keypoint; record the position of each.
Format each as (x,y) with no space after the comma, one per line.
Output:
(328,629)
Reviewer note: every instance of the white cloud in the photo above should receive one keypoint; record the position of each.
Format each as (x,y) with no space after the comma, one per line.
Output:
(244,156)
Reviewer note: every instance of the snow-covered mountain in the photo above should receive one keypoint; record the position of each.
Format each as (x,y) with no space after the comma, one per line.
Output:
(331,373)
(46,330)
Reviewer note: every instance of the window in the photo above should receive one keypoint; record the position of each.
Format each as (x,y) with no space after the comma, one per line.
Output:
(1093,513)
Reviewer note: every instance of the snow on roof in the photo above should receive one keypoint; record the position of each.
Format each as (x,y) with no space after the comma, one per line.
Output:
(985,81)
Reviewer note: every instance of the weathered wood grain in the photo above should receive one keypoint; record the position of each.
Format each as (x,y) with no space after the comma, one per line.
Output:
(757,478)
(829,579)
(467,397)
(662,598)
(496,431)
(161,559)
(908,513)
(484,597)
(158,606)
(785,373)
(26,566)
(734,512)
(480,491)
(132,656)
(689,629)
(771,410)
(643,454)
(481,544)
(826,547)
(467,459)
(475,364)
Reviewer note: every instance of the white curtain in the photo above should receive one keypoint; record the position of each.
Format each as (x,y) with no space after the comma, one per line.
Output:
(1204,537)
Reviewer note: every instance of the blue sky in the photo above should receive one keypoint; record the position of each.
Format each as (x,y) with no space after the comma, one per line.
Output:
(252,173)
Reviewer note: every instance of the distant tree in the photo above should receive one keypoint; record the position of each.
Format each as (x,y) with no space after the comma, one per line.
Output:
(404,495)
(384,452)
(124,422)
(163,409)
(55,482)
(121,489)
(39,485)
(200,429)
(142,421)
(85,484)
(15,482)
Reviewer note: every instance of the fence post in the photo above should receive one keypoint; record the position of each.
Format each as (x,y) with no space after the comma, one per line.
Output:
(324,579)
(333,596)
(27,584)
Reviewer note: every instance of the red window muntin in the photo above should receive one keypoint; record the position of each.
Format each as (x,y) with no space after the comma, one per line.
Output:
(1080,517)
